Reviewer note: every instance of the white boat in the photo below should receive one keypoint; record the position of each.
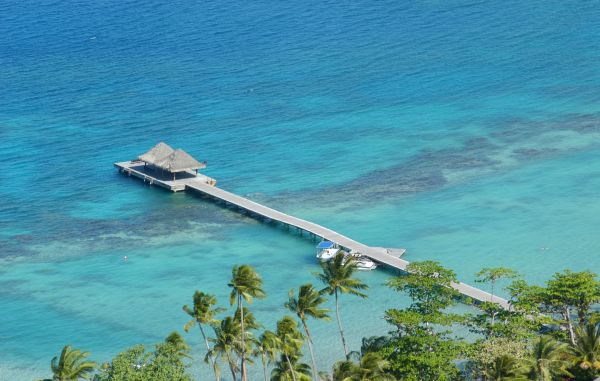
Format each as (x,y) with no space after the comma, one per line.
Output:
(362,262)
(327,250)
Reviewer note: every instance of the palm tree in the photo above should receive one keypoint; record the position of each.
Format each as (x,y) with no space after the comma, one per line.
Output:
(203,313)
(71,366)
(343,369)
(226,344)
(337,277)
(547,361)
(249,341)
(266,348)
(249,321)
(290,342)
(586,350)
(245,284)
(306,305)
(371,368)
(503,368)
(281,371)
(176,341)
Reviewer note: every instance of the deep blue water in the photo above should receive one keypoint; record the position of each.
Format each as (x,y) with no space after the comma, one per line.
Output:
(465,131)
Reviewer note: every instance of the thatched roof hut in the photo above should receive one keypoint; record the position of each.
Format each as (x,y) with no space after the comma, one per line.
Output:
(156,153)
(179,161)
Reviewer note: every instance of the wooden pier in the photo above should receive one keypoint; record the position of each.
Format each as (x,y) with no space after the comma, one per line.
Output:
(204,185)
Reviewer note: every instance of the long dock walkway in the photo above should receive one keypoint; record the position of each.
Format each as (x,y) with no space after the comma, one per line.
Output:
(202,184)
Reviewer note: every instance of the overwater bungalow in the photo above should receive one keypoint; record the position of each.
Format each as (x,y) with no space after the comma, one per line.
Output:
(171,160)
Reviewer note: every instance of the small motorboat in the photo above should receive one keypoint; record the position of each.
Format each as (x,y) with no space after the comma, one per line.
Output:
(366,264)
(362,263)
(327,250)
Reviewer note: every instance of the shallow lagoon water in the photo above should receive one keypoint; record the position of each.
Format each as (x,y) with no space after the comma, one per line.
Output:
(466,132)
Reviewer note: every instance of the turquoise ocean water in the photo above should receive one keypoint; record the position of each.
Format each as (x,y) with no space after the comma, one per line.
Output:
(466,131)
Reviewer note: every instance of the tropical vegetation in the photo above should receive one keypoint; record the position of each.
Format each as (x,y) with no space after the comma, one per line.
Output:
(550,332)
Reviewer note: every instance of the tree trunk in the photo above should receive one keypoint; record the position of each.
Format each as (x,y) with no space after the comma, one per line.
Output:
(339,321)
(567,316)
(212,360)
(311,350)
(241,307)
(264,364)
(291,367)
(581,314)
(231,367)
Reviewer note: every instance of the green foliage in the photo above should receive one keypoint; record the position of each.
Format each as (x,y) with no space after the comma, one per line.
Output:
(577,290)
(526,318)
(423,356)
(176,341)
(245,285)
(484,354)
(308,304)
(594,317)
(525,298)
(564,294)
(418,349)
(202,313)
(226,344)
(250,321)
(337,277)
(290,338)
(429,286)
(266,348)
(71,365)
(281,370)
(586,350)
(493,274)
(267,345)
(372,367)
(136,364)
(290,342)
(547,360)
(496,322)
(488,350)
(373,344)
(504,368)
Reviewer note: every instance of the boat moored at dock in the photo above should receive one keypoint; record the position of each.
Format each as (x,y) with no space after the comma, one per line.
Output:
(362,263)
(327,250)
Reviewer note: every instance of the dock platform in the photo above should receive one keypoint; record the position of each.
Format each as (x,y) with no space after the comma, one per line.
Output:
(154,176)
(206,186)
